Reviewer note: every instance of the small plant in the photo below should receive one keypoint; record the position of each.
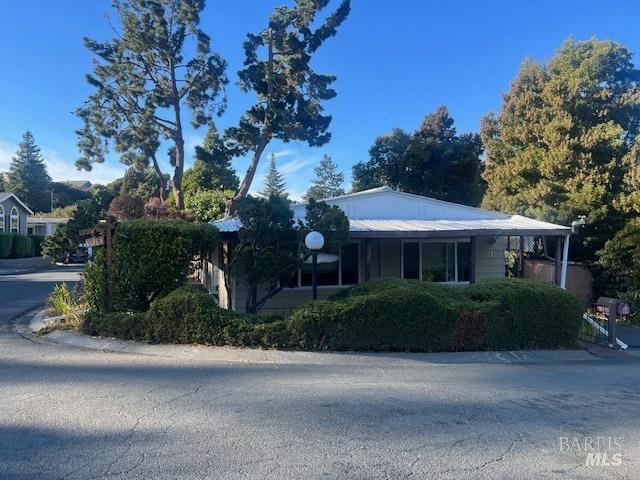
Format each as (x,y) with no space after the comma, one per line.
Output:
(67,303)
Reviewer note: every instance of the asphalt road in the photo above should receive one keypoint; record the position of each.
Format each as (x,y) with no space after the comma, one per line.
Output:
(71,413)
(22,292)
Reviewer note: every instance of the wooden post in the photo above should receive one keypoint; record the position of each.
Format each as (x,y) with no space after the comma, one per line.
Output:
(109,245)
(558,261)
(472,260)
(367,259)
(521,258)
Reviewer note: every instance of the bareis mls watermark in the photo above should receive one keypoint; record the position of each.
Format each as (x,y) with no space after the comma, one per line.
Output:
(598,451)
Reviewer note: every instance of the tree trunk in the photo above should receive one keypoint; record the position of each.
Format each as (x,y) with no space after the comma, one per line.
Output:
(163,187)
(243,190)
(177,174)
(232,203)
(179,142)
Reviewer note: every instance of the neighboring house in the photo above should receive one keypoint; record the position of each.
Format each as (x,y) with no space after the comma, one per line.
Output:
(82,185)
(397,235)
(13,214)
(44,225)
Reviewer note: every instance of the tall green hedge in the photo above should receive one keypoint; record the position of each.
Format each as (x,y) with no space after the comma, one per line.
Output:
(6,239)
(150,259)
(37,240)
(21,246)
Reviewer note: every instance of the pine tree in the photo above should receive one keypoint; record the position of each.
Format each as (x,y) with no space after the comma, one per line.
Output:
(274,184)
(328,181)
(28,177)
(159,68)
(290,94)
(212,168)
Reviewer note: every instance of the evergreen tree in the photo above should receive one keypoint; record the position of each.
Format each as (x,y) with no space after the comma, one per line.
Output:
(274,183)
(433,161)
(159,65)
(1,182)
(565,142)
(327,182)
(28,177)
(290,94)
(212,168)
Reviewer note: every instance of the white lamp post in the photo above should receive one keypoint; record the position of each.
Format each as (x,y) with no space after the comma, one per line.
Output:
(314,242)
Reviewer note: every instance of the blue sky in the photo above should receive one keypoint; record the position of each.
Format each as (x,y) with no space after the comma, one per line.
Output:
(395,62)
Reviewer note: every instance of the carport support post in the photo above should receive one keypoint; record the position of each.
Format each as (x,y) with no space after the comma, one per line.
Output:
(565,263)
(367,259)
(472,260)
(558,261)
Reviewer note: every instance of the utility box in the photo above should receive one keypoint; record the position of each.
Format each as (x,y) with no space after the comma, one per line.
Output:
(612,307)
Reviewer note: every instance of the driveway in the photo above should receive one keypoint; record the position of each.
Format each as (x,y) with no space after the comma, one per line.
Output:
(74,413)
(22,292)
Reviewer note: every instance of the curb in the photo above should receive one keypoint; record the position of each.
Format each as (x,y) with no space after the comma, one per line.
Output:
(39,321)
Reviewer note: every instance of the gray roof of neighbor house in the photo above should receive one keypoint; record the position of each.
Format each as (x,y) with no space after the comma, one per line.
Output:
(386,213)
(6,195)
(83,185)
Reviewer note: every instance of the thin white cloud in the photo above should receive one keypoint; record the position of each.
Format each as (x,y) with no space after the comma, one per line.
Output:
(287,152)
(296,165)
(61,169)
(102,173)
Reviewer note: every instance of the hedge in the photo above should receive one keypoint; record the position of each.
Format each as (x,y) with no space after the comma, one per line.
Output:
(527,314)
(37,244)
(21,246)
(188,316)
(396,315)
(16,245)
(6,239)
(150,259)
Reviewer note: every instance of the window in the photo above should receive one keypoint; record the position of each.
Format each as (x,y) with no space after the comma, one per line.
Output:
(333,270)
(411,260)
(328,270)
(349,264)
(437,261)
(1,218)
(15,221)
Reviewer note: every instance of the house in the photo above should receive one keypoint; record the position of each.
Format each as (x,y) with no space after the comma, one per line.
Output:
(13,214)
(44,225)
(397,235)
(82,185)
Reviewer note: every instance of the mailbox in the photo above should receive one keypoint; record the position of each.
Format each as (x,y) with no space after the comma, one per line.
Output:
(619,306)
(612,307)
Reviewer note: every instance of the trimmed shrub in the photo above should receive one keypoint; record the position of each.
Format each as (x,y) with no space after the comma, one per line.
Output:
(150,259)
(128,326)
(528,314)
(6,239)
(37,240)
(21,246)
(470,330)
(395,319)
(274,333)
(392,315)
(188,316)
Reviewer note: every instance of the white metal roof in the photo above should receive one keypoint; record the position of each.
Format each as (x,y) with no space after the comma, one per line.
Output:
(384,212)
